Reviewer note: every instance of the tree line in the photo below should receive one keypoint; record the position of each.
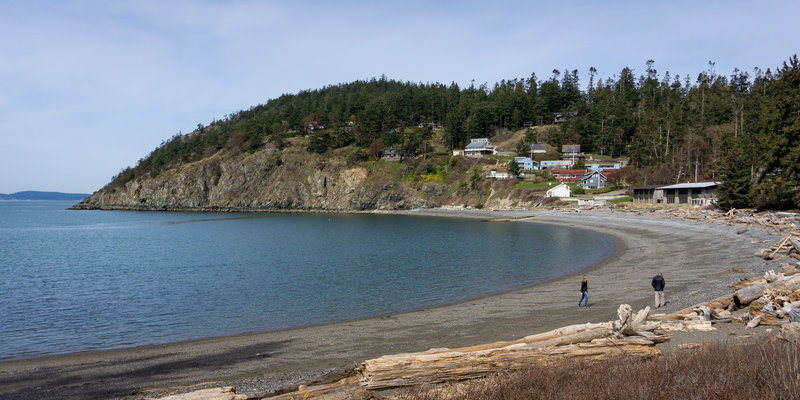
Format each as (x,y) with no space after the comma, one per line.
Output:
(742,128)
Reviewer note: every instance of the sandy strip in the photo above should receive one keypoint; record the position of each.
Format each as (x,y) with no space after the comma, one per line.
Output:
(693,256)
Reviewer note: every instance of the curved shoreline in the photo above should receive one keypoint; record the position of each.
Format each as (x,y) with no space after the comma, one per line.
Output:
(693,256)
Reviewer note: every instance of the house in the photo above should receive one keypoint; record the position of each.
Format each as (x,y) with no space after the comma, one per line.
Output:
(538,148)
(458,152)
(696,194)
(561,190)
(601,166)
(569,175)
(562,117)
(645,194)
(312,125)
(571,152)
(546,164)
(478,147)
(526,164)
(391,154)
(499,173)
(593,180)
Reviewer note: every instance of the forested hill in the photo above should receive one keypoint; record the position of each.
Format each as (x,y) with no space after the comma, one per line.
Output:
(742,128)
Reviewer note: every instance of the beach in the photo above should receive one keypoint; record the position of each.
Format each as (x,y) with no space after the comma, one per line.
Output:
(698,259)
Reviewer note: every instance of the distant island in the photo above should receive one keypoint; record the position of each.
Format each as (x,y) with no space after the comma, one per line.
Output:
(34,195)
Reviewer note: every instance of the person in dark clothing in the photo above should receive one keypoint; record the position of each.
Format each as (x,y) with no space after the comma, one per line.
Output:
(584,292)
(658,285)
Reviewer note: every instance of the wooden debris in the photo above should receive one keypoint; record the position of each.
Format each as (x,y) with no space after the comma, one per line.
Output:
(791,332)
(626,336)
(754,322)
(345,389)
(745,296)
(689,346)
(428,368)
(684,326)
(222,393)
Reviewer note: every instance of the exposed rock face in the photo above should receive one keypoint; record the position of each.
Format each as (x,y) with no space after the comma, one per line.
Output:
(266,180)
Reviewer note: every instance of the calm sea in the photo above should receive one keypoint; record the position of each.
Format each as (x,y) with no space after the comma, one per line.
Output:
(89,280)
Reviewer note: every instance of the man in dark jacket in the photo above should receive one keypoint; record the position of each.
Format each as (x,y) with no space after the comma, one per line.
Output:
(658,285)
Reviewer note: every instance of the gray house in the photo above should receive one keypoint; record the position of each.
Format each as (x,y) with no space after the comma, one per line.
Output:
(478,147)
(593,180)
(696,194)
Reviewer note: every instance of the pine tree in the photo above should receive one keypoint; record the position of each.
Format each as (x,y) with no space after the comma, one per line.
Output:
(736,188)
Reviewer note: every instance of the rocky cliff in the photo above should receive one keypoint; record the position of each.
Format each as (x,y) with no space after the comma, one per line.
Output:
(293,179)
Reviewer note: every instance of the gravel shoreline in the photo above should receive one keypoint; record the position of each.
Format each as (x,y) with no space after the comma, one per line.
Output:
(695,257)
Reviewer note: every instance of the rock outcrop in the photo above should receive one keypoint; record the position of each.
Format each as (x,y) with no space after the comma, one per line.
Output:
(259,181)
(289,179)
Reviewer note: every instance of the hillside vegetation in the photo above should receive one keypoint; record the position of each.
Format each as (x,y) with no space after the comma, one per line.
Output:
(317,149)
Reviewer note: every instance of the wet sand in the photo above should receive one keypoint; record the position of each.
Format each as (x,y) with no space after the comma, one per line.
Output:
(693,256)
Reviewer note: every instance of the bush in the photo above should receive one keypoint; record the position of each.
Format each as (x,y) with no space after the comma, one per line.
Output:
(765,370)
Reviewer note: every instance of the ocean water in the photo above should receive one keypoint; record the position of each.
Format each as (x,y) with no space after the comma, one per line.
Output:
(89,280)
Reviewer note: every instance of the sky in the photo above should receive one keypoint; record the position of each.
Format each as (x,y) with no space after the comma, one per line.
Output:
(88,88)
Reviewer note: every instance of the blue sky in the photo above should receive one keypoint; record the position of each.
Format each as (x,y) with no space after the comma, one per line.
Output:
(90,87)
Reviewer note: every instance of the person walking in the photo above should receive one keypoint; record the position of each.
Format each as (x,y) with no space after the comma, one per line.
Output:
(584,292)
(658,285)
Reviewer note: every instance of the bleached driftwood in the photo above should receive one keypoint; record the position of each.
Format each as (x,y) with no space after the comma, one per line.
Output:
(720,303)
(221,393)
(787,308)
(625,336)
(672,325)
(791,332)
(772,276)
(745,296)
(795,244)
(754,322)
(442,366)
(345,389)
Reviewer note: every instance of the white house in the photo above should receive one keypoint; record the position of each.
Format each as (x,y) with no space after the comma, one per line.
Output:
(561,190)
(499,173)
(479,146)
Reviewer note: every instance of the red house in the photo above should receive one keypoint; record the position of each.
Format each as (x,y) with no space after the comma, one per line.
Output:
(569,175)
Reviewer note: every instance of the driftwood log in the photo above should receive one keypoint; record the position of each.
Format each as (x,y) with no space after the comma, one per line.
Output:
(625,337)
(745,296)
(451,365)
(791,332)
(345,389)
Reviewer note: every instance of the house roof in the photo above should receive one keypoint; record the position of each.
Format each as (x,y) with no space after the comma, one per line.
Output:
(478,145)
(571,148)
(563,185)
(539,147)
(592,172)
(694,185)
(569,171)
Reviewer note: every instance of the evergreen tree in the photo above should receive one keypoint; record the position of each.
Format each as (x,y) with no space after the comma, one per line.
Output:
(735,191)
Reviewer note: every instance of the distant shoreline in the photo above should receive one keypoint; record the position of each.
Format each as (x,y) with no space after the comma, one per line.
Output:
(694,257)
(32,195)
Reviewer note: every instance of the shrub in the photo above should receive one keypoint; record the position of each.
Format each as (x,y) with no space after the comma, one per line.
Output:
(764,370)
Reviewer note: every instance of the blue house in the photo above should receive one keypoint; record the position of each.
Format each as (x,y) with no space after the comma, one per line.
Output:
(601,166)
(526,164)
(566,164)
